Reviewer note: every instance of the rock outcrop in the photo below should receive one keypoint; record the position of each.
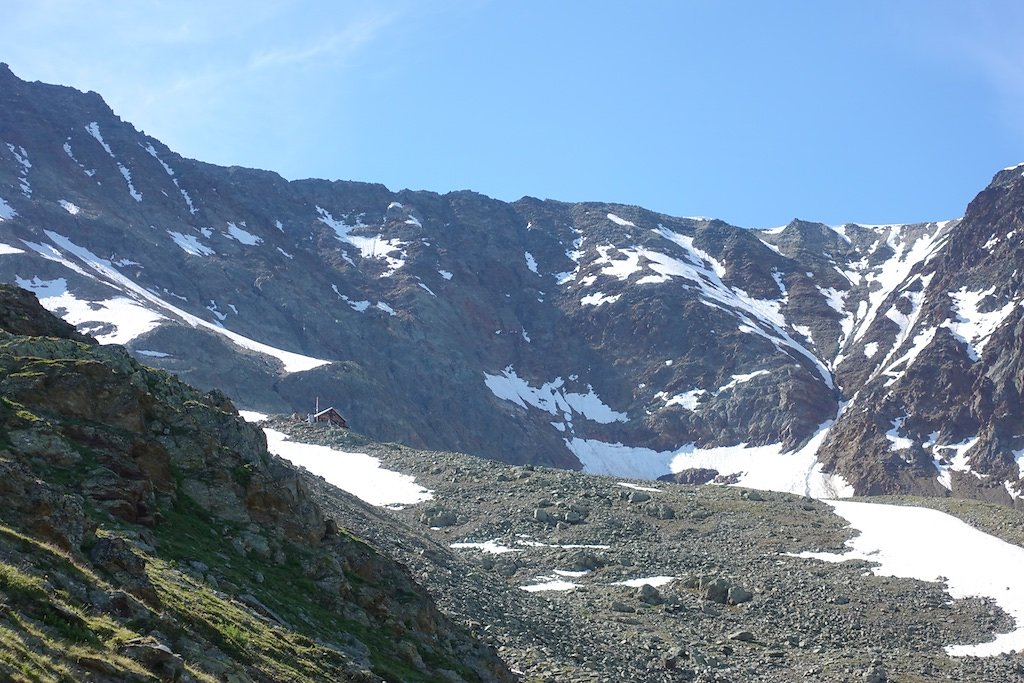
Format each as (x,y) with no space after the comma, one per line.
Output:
(146,533)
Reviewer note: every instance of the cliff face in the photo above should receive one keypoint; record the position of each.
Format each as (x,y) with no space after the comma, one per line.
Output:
(146,532)
(936,379)
(589,335)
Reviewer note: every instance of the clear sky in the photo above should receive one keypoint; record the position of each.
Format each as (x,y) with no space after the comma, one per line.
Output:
(753,111)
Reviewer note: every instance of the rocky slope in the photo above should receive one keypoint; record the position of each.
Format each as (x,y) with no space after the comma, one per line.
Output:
(588,335)
(741,607)
(147,534)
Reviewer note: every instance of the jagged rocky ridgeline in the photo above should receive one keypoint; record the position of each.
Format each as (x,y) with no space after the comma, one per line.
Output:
(608,337)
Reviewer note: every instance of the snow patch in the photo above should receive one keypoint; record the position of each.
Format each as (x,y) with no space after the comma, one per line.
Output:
(136,195)
(620,221)
(292,362)
(93,129)
(212,308)
(574,255)
(740,379)
(783,292)
(756,316)
(762,467)
(358,473)
(928,545)
(834,298)
(894,271)
(21,156)
(551,397)
(550,583)
(531,262)
(804,331)
(652,581)
(7,212)
(190,244)
(69,207)
(637,487)
(689,400)
(377,247)
(770,246)
(112,321)
(491,547)
(245,237)
(898,367)
(599,298)
(897,442)
(973,327)
(184,195)
(951,458)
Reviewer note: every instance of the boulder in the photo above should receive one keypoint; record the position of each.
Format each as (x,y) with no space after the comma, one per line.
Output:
(738,595)
(544,517)
(715,590)
(743,636)
(649,594)
(115,556)
(156,657)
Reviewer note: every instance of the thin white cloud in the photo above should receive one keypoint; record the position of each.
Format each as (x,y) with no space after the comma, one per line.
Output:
(337,45)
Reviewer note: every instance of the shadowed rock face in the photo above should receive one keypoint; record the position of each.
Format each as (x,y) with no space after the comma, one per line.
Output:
(533,331)
(19,314)
(134,474)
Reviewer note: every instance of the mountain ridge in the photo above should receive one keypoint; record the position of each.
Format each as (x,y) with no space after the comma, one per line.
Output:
(580,335)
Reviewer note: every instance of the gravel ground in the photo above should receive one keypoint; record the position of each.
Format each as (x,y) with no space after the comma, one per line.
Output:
(739,608)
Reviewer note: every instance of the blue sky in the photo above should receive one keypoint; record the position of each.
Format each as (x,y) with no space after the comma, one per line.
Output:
(750,111)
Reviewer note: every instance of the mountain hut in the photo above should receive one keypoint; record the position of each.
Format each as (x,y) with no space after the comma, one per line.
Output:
(330,416)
